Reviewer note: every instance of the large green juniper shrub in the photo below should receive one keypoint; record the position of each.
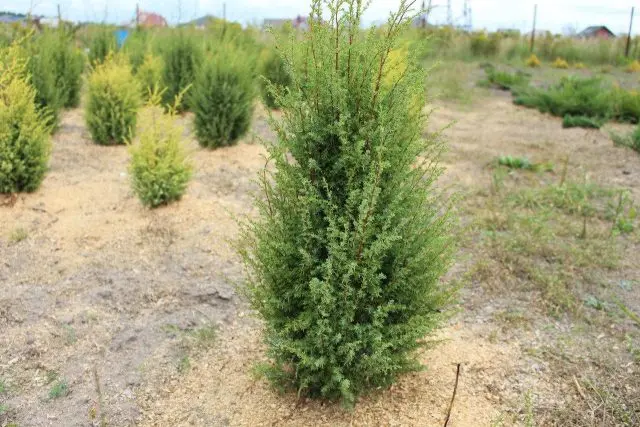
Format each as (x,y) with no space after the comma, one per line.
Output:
(102,45)
(346,257)
(275,77)
(160,170)
(56,66)
(222,98)
(182,57)
(113,100)
(24,129)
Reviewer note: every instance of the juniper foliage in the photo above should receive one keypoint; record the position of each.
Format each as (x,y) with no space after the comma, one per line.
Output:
(182,58)
(222,98)
(275,76)
(102,45)
(160,170)
(24,129)
(113,100)
(345,259)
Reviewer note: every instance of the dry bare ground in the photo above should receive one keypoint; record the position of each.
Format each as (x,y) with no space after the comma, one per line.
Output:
(115,315)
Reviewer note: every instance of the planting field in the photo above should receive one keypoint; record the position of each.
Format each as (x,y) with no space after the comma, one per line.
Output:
(113,314)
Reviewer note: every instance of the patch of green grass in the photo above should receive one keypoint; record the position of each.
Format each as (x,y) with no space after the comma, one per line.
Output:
(587,97)
(70,334)
(3,386)
(204,336)
(449,81)
(569,121)
(512,318)
(529,418)
(51,376)
(504,80)
(3,409)
(552,239)
(631,140)
(184,364)
(515,162)
(18,235)
(59,389)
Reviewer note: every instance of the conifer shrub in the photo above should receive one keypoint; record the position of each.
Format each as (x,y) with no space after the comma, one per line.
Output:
(533,61)
(56,66)
(633,67)
(182,57)
(222,99)
(275,77)
(137,47)
(24,133)
(160,170)
(345,259)
(102,45)
(149,74)
(560,63)
(113,100)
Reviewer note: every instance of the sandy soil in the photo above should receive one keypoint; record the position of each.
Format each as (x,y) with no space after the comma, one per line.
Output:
(108,296)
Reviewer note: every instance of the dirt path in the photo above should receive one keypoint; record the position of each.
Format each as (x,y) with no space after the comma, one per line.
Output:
(116,307)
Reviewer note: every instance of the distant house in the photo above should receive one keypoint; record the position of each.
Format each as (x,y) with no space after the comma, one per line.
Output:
(597,31)
(299,22)
(150,19)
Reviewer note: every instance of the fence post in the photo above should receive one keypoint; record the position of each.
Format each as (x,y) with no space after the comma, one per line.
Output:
(533,32)
(626,50)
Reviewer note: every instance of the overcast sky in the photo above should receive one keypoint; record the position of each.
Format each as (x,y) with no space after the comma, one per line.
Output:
(553,15)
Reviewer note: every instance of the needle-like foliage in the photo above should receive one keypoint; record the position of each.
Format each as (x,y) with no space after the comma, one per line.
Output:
(346,257)
(160,170)
(24,129)
(113,100)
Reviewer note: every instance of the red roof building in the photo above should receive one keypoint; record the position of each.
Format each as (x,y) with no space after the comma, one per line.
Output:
(150,19)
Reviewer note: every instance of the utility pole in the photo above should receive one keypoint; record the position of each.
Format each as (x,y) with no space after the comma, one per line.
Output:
(466,12)
(137,16)
(449,14)
(426,18)
(626,50)
(423,19)
(533,32)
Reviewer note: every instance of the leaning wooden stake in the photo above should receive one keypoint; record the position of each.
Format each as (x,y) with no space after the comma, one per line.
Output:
(453,398)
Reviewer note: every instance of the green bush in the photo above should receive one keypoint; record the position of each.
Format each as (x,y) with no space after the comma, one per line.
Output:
(150,74)
(137,47)
(55,66)
(24,140)
(182,57)
(102,45)
(483,44)
(346,257)
(581,122)
(113,100)
(587,97)
(159,168)
(515,162)
(275,78)
(222,99)
(504,80)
